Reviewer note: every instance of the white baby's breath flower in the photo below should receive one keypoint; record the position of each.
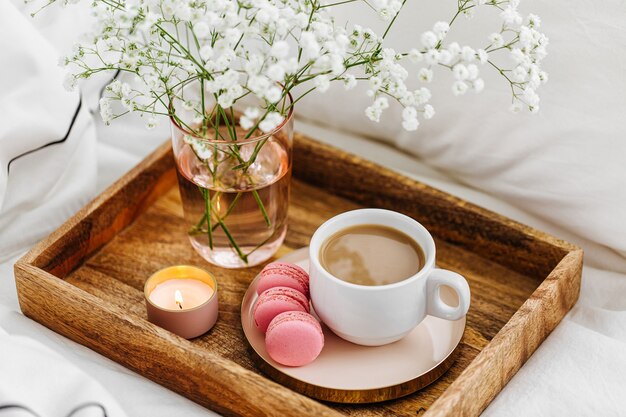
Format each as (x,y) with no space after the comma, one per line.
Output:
(127,103)
(496,40)
(407,99)
(468,54)
(259,85)
(276,72)
(202,30)
(429,111)
(252,112)
(322,83)
(206,52)
(478,85)
(540,52)
(349,81)
(381,103)
(472,72)
(271,122)
(409,119)
(441,29)
(375,83)
(425,75)
(106,112)
(373,113)
(460,72)
(526,37)
(409,113)
(444,57)
(533,21)
(249,117)
(310,46)
(519,74)
(455,49)
(422,95)
(483,56)
(241,48)
(246,123)
(511,16)
(280,49)
(387,9)
(267,14)
(114,87)
(63,61)
(152,122)
(273,94)
(126,89)
(69,82)
(431,56)
(130,61)
(225,100)
(410,125)
(415,56)
(530,97)
(520,57)
(429,39)
(459,88)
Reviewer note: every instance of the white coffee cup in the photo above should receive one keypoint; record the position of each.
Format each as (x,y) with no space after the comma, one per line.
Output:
(378,315)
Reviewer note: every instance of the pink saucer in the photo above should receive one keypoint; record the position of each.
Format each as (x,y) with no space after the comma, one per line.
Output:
(345,372)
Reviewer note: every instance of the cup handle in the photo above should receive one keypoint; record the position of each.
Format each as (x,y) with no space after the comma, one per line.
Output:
(436,306)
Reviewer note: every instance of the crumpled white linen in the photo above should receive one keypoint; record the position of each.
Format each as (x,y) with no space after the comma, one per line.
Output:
(47,138)
(47,172)
(579,370)
(35,378)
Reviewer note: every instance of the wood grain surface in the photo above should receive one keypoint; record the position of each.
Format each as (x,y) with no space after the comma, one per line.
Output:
(85,281)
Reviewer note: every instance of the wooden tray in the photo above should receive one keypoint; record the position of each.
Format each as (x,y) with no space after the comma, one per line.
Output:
(85,281)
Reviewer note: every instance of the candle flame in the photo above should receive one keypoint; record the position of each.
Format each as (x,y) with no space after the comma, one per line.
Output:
(178,297)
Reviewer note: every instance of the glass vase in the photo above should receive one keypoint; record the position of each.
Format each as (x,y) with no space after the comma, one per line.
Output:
(234,183)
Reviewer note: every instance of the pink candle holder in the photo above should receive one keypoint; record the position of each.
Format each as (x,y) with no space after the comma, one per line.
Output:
(182,299)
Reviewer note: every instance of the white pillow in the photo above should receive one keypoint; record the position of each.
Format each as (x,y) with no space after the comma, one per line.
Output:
(566,164)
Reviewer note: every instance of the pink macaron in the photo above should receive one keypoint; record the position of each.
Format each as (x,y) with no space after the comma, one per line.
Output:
(294,338)
(277,300)
(282,274)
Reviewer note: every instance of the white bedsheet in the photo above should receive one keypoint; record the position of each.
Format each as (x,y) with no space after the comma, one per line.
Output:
(577,371)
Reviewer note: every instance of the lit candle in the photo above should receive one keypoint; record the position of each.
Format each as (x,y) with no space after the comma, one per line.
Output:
(182,299)
(180,294)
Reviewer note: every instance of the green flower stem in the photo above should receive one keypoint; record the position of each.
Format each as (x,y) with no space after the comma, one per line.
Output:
(207,205)
(242,256)
(337,4)
(393,20)
(230,208)
(260,244)
(231,128)
(197,229)
(246,164)
(220,223)
(259,202)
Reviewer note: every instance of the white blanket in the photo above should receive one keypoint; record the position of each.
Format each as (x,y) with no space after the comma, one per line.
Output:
(577,371)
